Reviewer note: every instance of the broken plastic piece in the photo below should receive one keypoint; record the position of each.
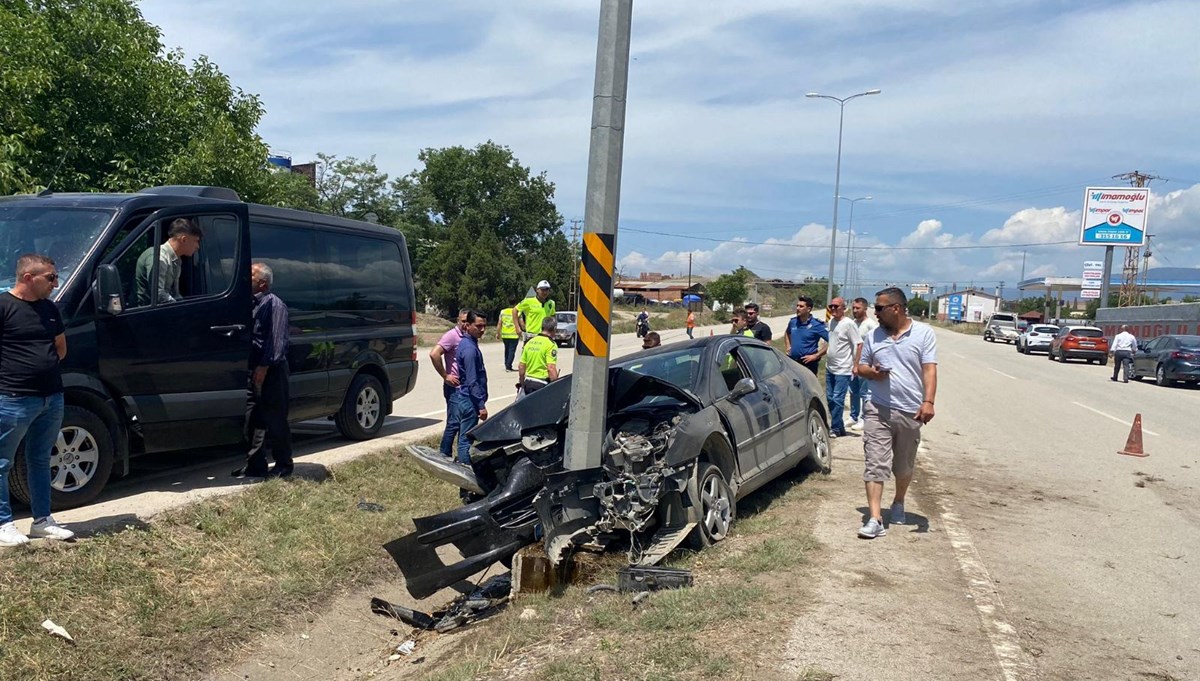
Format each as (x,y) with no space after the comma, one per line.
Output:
(56,630)
(639,578)
(369,506)
(407,647)
(414,618)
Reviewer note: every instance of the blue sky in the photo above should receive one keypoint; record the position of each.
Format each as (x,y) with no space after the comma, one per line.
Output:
(992,120)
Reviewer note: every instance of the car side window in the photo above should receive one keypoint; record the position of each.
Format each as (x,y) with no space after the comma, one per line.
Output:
(765,362)
(133,295)
(731,371)
(155,270)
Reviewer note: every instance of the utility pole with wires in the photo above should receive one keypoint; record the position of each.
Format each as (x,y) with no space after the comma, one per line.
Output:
(574,292)
(1131,293)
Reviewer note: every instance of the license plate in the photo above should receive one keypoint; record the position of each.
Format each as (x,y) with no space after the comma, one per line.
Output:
(1087,345)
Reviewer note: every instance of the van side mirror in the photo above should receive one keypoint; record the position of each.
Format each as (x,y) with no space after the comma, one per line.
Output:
(108,290)
(742,388)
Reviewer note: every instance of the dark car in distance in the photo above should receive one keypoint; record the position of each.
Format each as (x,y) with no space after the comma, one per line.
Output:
(692,428)
(1169,359)
(147,371)
(1079,342)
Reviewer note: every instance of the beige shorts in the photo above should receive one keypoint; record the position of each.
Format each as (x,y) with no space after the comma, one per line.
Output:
(890,439)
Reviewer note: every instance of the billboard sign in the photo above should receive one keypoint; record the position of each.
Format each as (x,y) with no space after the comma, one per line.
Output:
(954,310)
(1093,278)
(1114,216)
(1090,293)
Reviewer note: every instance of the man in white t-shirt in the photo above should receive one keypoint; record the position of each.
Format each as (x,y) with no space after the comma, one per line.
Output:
(860,388)
(900,360)
(1123,346)
(839,363)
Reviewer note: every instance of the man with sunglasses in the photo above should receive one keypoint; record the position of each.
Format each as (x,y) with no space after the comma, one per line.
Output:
(32,343)
(758,328)
(843,347)
(900,360)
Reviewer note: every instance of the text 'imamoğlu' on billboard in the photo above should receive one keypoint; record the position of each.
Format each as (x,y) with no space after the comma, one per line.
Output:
(1114,216)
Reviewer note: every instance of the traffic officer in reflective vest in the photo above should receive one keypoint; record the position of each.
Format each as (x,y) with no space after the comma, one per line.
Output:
(539,359)
(506,330)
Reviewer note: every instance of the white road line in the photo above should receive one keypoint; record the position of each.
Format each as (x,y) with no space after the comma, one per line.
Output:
(1110,416)
(1015,662)
(958,355)
(1004,374)
(443,410)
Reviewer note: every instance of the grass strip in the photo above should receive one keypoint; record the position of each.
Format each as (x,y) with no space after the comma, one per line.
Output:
(171,600)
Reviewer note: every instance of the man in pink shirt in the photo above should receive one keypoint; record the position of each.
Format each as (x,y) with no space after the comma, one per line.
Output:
(443,355)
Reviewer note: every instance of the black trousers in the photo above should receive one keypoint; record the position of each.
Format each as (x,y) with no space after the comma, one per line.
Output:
(267,421)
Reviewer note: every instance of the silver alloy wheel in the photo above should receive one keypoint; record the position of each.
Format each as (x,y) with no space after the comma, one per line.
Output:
(716,507)
(820,440)
(74,459)
(366,407)
(1160,375)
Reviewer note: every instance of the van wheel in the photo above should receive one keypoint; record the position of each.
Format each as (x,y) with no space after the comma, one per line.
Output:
(716,506)
(80,463)
(361,415)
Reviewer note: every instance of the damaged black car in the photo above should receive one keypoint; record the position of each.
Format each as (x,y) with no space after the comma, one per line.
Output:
(692,427)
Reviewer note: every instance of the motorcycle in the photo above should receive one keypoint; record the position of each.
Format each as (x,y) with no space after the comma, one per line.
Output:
(643,327)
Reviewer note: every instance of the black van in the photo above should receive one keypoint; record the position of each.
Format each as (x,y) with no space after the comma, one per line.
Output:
(147,374)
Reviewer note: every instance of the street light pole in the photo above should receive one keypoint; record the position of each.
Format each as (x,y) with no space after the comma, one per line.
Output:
(850,243)
(837,178)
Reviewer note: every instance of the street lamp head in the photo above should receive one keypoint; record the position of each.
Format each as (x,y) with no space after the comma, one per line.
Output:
(813,94)
(873,92)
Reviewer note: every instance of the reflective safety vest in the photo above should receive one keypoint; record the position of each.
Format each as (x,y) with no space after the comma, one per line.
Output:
(508,329)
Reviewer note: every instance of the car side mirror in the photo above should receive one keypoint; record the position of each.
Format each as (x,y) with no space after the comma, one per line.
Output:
(108,290)
(742,388)
(1141,347)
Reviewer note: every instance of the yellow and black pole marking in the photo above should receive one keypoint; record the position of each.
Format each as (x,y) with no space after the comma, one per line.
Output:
(595,303)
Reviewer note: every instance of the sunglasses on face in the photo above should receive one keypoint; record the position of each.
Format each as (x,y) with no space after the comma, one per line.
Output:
(834,307)
(50,276)
(881,308)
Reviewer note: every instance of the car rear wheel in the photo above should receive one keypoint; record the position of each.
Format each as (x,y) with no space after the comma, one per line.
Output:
(820,459)
(80,463)
(1104,361)
(716,507)
(361,415)
(1160,376)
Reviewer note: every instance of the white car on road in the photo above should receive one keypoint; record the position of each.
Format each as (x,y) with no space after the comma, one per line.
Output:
(1036,338)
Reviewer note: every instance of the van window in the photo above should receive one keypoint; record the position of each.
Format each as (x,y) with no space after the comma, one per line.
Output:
(361,273)
(289,252)
(62,234)
(152,273)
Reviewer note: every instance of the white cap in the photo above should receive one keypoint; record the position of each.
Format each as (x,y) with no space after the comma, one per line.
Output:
(543,284)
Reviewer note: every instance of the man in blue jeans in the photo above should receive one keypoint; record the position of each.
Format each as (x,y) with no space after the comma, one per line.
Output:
(468,404)
(32,343)
(844,343)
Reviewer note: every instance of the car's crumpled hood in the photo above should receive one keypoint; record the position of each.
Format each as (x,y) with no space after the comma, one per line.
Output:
(550,405)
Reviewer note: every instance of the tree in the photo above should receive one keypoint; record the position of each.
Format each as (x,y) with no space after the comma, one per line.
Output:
(92,102)
(481,228)
(918,307)
(729,289)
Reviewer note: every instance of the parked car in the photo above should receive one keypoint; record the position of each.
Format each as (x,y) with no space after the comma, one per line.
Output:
(1036,338)
(147,372)
(564,334)
(1169,359)
(1085,342)
(1001,326)
(692,428)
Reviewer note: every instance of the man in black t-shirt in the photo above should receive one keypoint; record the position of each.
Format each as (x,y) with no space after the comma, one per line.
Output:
(759,328)
(32,343)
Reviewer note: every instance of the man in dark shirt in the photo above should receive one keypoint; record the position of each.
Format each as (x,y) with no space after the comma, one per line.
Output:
(759,328)
(804,335)
(32,343)
(267,395)
(468,404)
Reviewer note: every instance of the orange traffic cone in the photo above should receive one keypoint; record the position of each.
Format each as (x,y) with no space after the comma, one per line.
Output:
(710,332)
(1133,445)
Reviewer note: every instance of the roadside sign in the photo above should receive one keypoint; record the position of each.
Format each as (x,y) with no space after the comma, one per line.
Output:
(919,289)
(1090,293)
(954,310)
(1093,279)
(1114,216)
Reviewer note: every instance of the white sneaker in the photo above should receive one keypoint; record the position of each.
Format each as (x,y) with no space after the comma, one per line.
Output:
(857,425)
(11,536)
(46,528)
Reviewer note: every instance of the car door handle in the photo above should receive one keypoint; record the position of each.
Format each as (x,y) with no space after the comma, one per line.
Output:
(228,329)
(766,397)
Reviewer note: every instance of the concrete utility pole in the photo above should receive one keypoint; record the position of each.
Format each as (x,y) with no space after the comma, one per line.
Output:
(589,382)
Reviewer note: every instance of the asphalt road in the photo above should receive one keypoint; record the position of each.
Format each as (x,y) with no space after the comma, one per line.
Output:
(1094,554)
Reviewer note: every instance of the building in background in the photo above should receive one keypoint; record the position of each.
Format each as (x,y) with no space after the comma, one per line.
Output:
(966,306)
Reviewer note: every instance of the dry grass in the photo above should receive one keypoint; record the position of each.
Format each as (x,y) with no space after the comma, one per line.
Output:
(168,601)
(967,328)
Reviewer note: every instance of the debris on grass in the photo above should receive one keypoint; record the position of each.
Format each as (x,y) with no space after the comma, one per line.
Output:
(56,630)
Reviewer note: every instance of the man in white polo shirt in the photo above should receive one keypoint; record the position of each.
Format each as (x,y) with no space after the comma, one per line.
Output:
(900,360)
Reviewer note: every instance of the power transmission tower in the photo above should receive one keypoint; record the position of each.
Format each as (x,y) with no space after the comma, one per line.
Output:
(1131,293)
(575,225)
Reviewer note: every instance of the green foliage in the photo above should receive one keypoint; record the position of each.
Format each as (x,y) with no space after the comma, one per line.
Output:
(918,307)
(482,228)
(729,289)
(92,102)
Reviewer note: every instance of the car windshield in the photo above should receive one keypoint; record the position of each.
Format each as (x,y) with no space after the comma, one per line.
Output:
(64,234)
(1188,341)
(565,317)
(1046,329)
(680,368)
(1087,333)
